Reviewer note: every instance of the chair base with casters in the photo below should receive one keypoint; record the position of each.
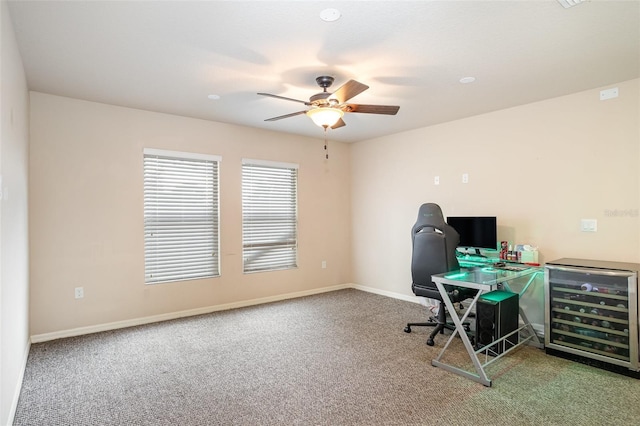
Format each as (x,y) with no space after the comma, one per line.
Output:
(439,323)
(430,291)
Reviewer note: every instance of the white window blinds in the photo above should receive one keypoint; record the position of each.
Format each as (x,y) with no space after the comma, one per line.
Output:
(269,215)
(180,216)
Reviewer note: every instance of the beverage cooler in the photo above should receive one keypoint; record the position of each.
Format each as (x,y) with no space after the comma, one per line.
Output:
(591,313)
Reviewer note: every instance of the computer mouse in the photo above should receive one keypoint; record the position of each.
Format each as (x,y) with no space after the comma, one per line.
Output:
(500,265)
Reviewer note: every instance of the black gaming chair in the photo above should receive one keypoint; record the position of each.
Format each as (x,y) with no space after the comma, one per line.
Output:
(434,252)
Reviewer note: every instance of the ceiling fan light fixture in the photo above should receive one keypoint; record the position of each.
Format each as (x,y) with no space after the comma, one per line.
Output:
(325,117)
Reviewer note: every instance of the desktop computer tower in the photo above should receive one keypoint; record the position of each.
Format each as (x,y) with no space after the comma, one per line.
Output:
(497,314)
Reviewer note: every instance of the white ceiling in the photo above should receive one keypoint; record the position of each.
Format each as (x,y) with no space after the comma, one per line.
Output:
(168,56)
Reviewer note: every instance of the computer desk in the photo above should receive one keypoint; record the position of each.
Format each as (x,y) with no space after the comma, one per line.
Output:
(484,279)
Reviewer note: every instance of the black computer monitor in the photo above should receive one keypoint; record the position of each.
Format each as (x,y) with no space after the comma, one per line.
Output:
(476,232)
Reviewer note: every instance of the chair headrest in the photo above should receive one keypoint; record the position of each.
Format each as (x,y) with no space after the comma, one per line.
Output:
(429,215)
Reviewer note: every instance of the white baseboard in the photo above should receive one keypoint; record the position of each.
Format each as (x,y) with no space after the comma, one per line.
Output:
(16,393)
(406,298)
(37,338)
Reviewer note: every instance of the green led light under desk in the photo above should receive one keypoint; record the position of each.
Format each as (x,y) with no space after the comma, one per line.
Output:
(496,296)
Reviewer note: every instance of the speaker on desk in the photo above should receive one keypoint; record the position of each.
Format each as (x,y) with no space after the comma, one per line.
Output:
(497,315)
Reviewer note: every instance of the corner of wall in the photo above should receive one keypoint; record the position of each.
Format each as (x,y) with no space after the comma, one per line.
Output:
(14,236)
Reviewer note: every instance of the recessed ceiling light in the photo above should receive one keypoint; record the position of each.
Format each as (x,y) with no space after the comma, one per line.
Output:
(214,97)
(466,80)
(330,15)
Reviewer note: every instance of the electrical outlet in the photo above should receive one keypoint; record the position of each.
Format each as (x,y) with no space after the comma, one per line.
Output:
(436,180)
(465,178)
(79,292)
(324,264)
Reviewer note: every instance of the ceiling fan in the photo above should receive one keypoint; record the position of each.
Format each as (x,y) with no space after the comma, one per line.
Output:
(327,109)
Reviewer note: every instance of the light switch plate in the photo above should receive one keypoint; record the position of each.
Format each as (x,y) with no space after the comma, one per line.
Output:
(79,292)
(588,225)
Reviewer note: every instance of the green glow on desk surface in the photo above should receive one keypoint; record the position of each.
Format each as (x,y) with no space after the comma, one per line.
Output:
(456,275)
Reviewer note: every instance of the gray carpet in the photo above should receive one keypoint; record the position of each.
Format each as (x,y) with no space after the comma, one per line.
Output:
(339,358)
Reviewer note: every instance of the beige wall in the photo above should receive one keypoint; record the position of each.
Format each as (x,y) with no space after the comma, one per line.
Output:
(14,250)
(86,213)
(540,168)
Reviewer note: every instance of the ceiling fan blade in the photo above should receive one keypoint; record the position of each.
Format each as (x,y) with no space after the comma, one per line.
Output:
(338,124)
(372,109)
(348,90)
(286,99)
(280,117)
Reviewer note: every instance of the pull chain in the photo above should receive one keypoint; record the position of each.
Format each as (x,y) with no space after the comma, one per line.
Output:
(326,149)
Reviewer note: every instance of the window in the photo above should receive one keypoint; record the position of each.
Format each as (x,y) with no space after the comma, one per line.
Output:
(269,215)
(180,216)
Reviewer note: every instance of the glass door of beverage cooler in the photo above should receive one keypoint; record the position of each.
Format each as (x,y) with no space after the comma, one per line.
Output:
(592,313)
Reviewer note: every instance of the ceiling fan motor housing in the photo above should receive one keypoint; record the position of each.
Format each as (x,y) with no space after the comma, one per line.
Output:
(320,98)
